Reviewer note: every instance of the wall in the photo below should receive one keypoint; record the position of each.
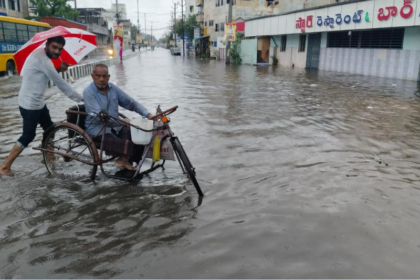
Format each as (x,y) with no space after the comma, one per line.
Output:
(401,64)
(56,21)
(249,51)
(291,57)
(411,39)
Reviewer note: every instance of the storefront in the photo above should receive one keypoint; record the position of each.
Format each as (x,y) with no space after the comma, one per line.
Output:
(375,37)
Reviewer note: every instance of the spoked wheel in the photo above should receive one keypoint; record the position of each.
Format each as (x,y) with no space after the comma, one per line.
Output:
(73,152)
(185,163)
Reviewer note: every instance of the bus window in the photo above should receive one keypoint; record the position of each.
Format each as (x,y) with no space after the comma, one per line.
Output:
(2,37)
(41,29)
(22,33)
(32,31)
(9,31)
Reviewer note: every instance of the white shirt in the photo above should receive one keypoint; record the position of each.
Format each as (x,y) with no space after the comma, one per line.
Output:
(37,71)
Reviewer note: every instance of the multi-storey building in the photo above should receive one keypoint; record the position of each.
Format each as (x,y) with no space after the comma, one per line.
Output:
(14,8)
(95,19)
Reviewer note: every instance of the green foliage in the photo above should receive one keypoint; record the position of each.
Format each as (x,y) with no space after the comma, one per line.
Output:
(134,31)
(275,60)
(57,8)
(189,24)
(235,50)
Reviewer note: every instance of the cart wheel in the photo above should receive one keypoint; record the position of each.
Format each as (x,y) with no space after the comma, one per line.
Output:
(183,158)
(76,150)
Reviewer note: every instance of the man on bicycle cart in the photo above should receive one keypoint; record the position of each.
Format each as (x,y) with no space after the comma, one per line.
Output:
(103,96)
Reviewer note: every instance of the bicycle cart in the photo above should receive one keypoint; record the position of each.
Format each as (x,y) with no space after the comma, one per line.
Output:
(67,147)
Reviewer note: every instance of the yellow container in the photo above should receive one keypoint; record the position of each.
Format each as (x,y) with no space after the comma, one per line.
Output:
(156,149)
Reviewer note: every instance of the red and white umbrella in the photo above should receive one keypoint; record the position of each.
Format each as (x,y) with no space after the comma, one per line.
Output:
(78,44)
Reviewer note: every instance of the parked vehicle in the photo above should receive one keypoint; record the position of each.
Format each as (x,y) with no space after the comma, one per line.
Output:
(175,51)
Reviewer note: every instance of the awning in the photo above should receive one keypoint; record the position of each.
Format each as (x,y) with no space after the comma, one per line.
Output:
(202,37)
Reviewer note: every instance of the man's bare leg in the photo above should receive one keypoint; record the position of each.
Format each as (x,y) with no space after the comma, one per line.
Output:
(5,168)
(123,162)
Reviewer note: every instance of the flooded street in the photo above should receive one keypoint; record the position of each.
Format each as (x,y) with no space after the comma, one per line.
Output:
(305,175)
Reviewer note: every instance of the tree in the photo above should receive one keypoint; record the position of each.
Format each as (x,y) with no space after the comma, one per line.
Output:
(57,8)
(189,24)
(235,51)
(134,31)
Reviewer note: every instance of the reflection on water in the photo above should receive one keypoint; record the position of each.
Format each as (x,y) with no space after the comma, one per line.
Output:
(306,174)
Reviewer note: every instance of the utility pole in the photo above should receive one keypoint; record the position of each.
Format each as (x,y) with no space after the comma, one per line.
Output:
(138,23)
(117,14)
(183,31)
(174,35)
(151,34)
(145,26)
(230,21)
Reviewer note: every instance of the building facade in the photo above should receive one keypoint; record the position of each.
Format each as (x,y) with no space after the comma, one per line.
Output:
(213,14)
(371,37)
(14,8)
(96,22)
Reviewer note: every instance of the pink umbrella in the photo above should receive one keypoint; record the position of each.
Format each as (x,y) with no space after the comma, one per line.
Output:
(78,44)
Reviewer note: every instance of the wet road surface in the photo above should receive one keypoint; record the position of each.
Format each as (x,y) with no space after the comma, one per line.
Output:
(306,175)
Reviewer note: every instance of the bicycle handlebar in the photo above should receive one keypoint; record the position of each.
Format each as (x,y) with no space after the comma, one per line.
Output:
(167,112)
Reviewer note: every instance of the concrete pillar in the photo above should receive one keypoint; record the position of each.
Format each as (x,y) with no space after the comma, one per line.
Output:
(7,7)
(24,5)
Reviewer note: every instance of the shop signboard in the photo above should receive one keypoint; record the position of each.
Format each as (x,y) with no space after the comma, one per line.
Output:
(354,16)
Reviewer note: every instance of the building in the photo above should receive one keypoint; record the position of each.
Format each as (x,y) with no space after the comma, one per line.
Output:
(122,11)
(368,37)
(191,7)
(14,8)
(96,22)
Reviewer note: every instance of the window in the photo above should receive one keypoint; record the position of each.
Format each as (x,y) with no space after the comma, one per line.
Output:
(2,36)
(344,39)
(2,4)
(283,43)
(222,26)
(382,39)
(9,32)
(205,23)
(22,33)
(221,2)
(32,31)
(12,5)
(371,39)
(302,43)
(217,3)
(211,22)
(191,9)
(216,27)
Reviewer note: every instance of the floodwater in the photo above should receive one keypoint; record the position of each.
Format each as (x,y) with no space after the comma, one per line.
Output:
(305,174)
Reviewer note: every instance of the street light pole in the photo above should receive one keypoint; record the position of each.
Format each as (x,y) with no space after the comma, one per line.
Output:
(230,21)
(183,31)
(145,25)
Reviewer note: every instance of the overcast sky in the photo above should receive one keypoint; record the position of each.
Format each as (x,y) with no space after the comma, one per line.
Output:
(161,9)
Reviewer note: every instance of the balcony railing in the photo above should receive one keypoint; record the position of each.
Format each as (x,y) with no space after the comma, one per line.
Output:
(200,3)
(98,29)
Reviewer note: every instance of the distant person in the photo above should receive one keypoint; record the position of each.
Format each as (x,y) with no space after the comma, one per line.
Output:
(37,71)
(104,96)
